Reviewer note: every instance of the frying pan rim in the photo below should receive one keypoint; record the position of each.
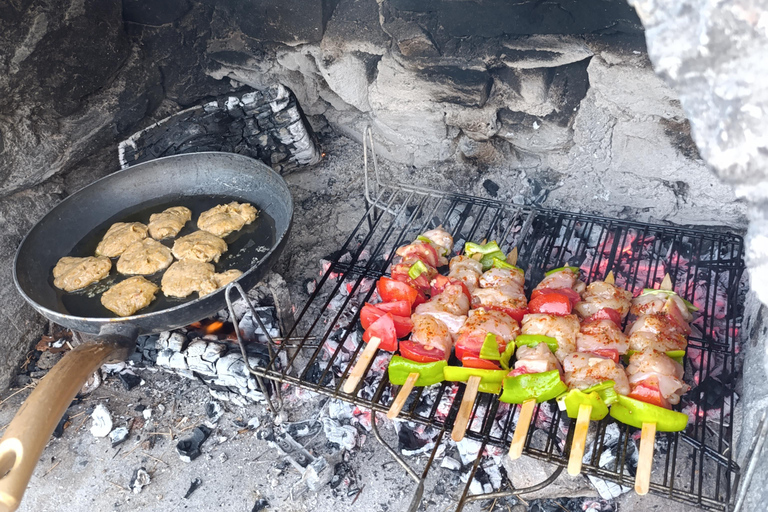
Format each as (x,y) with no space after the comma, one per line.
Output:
(149,317)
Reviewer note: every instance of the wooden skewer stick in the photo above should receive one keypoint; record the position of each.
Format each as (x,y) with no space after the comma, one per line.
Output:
(512,256)
(362,365)
(521,430)
(402,396)
(645,458)
(579,439)
(610,278)
(648,436)
(465,410)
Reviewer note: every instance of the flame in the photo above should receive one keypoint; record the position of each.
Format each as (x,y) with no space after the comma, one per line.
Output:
(213,327)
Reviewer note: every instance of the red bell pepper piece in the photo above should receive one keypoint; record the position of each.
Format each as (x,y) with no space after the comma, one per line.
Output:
(552,303)
(605,314)
(516,313)
(648,392)
(384,329)
(573,295)
(439,282)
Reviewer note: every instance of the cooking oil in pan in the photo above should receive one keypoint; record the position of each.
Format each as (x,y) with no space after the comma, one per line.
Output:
(246,248)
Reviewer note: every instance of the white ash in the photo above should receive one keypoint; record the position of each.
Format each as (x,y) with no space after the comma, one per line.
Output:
(345,436)
(139,480)
(118,435)
(101,421)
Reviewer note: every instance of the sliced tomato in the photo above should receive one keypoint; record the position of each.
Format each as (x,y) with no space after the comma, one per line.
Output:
(573,295)
(370,313)
(608,353)
(518,371)
(421,283)
(397,308)
(424,252)
(553,303)
(648,392)
(439,282)
(384,329)
(391,290)
(471,350)
(516,313)
(605,314)
(476,362)
(421,353)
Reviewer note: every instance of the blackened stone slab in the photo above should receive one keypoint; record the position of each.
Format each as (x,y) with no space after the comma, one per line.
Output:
(155,12)
(490,18)
(467,87)
(266,125)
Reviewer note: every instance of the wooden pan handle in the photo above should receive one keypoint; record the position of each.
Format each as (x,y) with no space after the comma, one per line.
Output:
(31,428)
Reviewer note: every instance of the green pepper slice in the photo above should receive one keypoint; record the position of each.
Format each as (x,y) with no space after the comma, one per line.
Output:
(634,413)
(532,340)
(490,379)
(429,373)
(471,248)
(417,269)
(668,293)
(539,386)
(422,238)
(599,396)
(500,263)
(490,348)
(507,355)
(442,250)
(575,270)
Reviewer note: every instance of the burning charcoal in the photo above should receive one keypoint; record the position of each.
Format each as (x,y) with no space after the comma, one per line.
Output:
(196,483)
(214,411)
(178,361)
(172,340)
(345,436)
(261,504)
(189,447)
(129,380)
(164,358)
(118,435)
(213,352)
(304,428)
(102,421)
(415,439)
(139,480)
(59,430)
(315,372)
(196,347)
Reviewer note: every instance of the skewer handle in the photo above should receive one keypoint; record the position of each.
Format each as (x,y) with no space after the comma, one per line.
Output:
(362,365)
(402,396)
(512,256)
(645,458)
(521,430)
(462,419)
(579,439)
(666,284)
(610,278)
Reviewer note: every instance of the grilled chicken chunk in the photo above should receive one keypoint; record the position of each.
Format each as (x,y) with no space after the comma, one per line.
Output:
(600,295)
(466,270)
(479,323)
(450,307)
(537,359)
(656,332)
(658,368)
(655,303)
(585,370)
(441,239)
(562,279)
(432,333)
(601,335)
(563,328)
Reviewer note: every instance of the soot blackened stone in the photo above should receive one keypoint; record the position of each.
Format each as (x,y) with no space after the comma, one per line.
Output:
(491,187)
(189,447)
(129,380)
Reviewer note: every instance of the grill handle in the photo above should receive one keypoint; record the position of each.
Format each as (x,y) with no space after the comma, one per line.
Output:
(31,428)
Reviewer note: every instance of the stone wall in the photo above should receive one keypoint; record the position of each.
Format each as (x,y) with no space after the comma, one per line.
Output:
(559,94)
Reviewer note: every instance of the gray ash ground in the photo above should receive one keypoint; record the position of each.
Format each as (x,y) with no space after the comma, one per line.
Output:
(239,469)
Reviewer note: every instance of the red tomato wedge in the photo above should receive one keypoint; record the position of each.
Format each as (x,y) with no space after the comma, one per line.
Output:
(421,283)
(608,353)
(552,303)
(472,350)
(605,314)
(370,313)
(573,295)
(476,362)
(439,282)
(515,313)
(648,392)
(391,290)
(420,353)
(384,329)
(397,308)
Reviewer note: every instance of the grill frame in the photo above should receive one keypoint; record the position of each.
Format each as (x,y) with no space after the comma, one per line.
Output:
(398,212)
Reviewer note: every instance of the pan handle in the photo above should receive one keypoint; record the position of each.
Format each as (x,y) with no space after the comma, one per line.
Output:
(31,428)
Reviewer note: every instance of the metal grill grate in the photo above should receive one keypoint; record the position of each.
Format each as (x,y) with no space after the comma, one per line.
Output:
(693,466)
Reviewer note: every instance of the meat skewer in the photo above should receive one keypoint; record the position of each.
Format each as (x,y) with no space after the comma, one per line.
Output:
(447,309)
(548,336)
(420,260)
(490,330)
(593,372)
(655,378)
